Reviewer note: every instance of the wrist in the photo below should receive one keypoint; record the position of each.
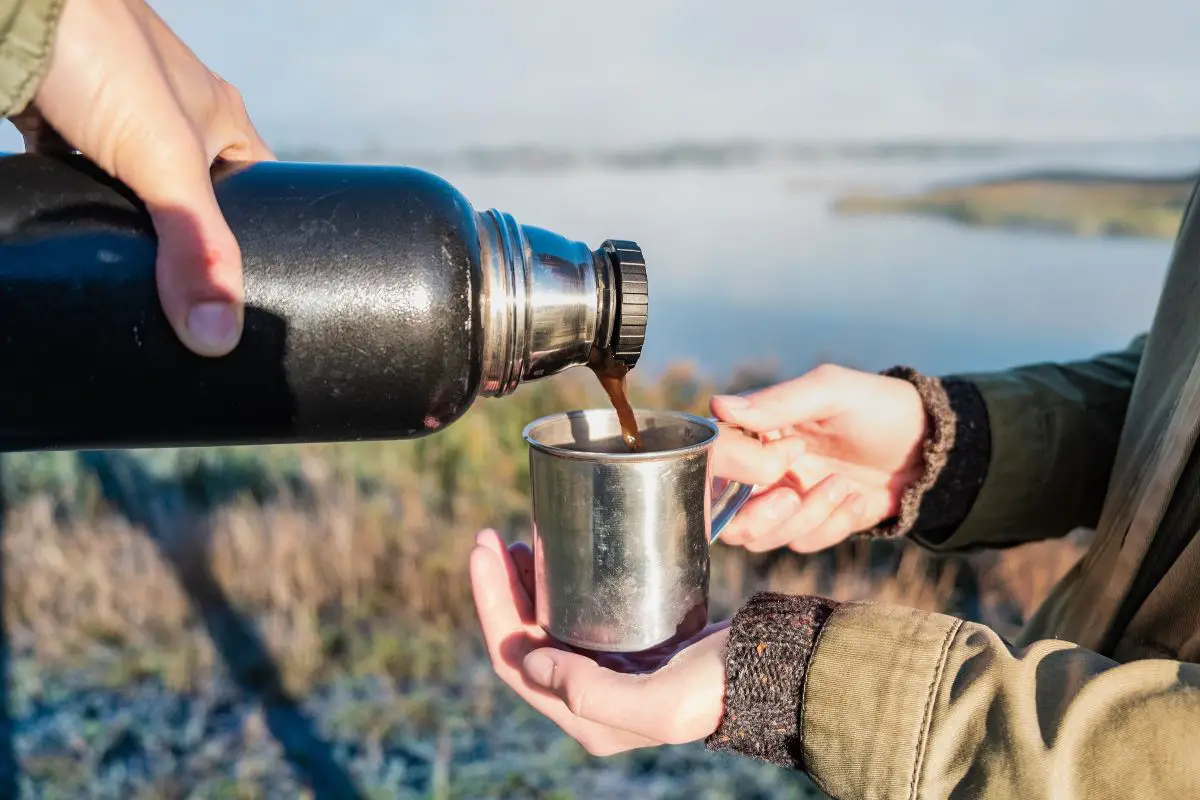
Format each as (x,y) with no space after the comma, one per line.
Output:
(771,642)
(952,457)
(922,411)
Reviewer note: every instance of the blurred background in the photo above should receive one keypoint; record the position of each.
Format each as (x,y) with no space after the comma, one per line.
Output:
(956,187)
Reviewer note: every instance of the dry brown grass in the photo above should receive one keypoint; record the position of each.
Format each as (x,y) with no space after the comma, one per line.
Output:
(350,568)
(77,588)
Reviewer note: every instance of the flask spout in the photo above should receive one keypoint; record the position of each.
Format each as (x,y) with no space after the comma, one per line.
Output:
(550,302)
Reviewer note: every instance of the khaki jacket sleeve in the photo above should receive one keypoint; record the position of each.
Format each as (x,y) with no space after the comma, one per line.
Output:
(899,703)
(1054,430)
(26,39)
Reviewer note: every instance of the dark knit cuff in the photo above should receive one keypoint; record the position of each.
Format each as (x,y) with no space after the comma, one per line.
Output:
(771,641)
(955,455)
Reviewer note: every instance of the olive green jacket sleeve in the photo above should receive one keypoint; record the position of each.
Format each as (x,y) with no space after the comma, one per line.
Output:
(1053,431)
(26,38)
(898,703)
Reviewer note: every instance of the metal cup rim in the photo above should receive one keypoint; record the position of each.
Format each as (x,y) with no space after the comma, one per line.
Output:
(609,458)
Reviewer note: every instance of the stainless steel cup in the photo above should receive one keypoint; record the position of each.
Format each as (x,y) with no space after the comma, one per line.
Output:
(621,539)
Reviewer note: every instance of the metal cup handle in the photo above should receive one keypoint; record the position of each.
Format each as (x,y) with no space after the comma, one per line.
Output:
(727,503)
(729,498)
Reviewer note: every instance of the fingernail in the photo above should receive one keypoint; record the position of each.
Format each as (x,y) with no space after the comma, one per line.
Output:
(213,325)
(539,668)
(732,401)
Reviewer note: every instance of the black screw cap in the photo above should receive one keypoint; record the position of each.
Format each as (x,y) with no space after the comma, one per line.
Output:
(633,299)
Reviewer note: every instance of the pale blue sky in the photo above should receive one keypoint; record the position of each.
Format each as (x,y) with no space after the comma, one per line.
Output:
(437,72)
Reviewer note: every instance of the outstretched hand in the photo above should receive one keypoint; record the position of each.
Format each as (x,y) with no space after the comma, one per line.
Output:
(607,703)
(123,90)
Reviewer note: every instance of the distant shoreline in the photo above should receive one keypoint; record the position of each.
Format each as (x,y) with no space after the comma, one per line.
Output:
(538,158)
(1073,202)
(1070,202)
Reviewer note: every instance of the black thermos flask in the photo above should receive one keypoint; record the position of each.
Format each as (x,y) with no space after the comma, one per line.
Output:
(379,305)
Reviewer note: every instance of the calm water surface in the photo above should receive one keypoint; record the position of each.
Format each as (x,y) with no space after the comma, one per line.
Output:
(751,265)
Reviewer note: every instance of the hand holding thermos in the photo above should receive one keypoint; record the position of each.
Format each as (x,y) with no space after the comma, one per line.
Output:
(121,88)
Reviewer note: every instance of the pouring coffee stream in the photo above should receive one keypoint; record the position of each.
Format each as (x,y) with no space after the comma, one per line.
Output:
(613,375)
(611,364)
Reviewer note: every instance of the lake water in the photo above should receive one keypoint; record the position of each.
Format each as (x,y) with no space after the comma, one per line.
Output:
(751,265)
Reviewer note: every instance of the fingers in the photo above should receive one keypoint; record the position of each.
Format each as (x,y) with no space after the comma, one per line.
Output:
(746,459)
(806,521)
(199,274)
(802,399)
(760,515)
(845,520)
(234,135)
(518,592)
(506,634)
(107,93)
(223,119)
(827,514)
(38,135)
(200,265)
(491,590)
(522,558)
(631,702)
(129,96)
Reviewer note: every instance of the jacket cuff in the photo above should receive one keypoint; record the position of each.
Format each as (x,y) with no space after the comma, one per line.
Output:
(27,30)
(955,455)
(771,640)
(869,698)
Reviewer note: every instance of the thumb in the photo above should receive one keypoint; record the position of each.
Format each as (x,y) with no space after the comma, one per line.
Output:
(199,264)
(803,399)
(108,95)
(678,703)
(632,703)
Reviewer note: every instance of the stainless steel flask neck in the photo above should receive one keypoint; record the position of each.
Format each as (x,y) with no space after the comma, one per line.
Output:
(548,301)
